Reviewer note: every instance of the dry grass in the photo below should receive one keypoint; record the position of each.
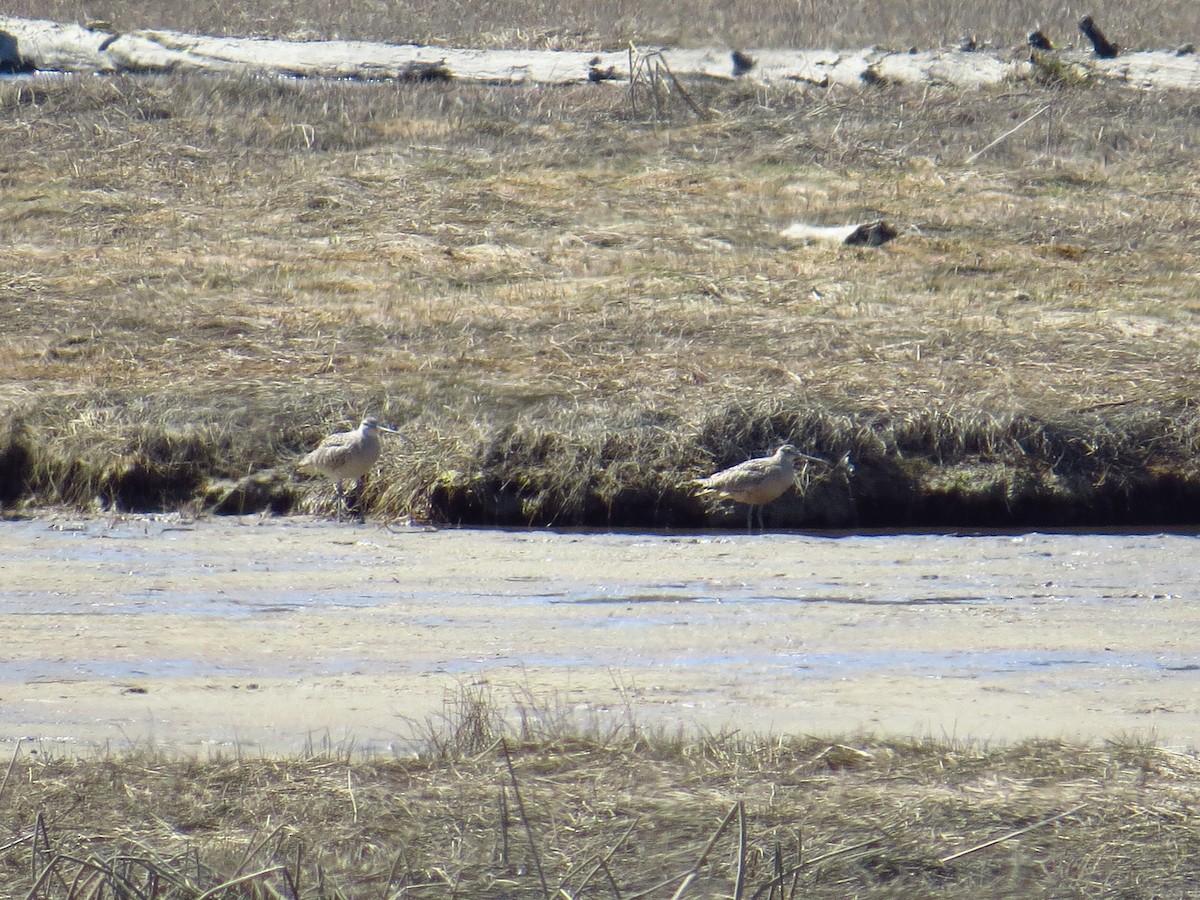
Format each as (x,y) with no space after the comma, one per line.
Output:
(547,807)
(572,307)
(611,24)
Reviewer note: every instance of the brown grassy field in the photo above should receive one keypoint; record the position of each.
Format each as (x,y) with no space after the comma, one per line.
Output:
(611,24)
(572,301)
(575,300)
(549,810)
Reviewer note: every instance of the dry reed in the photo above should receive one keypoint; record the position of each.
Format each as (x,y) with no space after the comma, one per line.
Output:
(554,24)
(541,806)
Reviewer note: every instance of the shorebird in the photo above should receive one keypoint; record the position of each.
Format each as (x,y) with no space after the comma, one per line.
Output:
(347,455)
(756,482)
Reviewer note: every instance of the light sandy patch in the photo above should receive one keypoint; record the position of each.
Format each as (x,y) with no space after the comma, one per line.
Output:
(278,634)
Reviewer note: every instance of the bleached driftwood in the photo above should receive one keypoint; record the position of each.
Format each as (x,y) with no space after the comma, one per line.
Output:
(864,234)
(53,46)
(75,48)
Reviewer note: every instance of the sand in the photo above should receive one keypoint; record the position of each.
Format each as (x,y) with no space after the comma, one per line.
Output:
(284,635)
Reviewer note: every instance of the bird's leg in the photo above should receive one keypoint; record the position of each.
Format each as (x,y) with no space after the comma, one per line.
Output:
(359,487)
(341,499)
(750,519)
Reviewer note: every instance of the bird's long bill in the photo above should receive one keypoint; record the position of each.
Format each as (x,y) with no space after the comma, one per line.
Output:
(814,459)
(386,428)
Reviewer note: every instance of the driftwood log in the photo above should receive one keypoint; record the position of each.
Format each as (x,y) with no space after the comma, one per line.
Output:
(863,234)
(32,44)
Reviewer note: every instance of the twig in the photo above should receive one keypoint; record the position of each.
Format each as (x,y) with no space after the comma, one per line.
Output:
(602,863)
(804,864)
(740,882)
(632,80)
(39,881)
(39,830)
(778,864)
(700,114)
(537,860)
(84,877)
(16,842)
(11,763)
(241,879)
(1012,834)
(254,848)
(695,870)
(122,885)
(795,886)
(612,882)
(641,63)
(974,156)
(502,810)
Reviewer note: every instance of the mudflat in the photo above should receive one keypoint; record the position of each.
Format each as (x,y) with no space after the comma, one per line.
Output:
(276,634)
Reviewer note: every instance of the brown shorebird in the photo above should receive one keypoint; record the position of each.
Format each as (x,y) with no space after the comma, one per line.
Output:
(347,455)
(756,482)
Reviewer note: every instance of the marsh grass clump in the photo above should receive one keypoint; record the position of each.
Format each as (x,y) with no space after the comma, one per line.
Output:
(1056,72)
(509,797)
(133,466)
(528,474)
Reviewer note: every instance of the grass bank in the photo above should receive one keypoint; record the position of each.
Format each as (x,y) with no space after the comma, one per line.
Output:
(543,806)
(573,301)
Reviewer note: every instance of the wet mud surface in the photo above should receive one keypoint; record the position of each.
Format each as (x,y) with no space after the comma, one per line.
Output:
(278,635)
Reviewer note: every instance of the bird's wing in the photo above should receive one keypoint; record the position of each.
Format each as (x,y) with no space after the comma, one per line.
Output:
(738,477)
(307,462)
(338,440)
(329,450)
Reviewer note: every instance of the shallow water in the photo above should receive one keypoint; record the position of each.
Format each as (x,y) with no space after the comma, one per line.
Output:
(160,567)
(107,606)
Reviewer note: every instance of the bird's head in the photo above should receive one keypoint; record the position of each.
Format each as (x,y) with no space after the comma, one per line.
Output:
(370,423)
(790,453)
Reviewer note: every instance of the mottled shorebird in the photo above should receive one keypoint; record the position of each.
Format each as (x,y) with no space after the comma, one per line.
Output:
(346,456)
(756,482)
